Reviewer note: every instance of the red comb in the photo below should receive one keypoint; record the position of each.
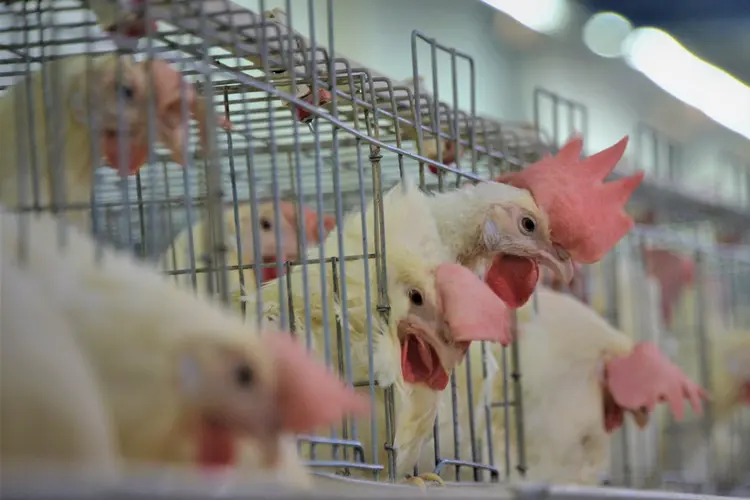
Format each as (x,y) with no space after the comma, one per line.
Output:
(674,272)
(586,215)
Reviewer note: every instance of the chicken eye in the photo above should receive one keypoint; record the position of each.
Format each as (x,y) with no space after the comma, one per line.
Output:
(416,297)
(244,376)
(265,224)
(127,91)
(528,225)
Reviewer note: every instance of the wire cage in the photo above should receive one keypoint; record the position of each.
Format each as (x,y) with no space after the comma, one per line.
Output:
(703,452)
(313,134)
(307,125)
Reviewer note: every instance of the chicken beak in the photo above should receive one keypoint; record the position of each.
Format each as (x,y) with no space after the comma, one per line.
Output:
(641,417)
(557,260)
(450,355)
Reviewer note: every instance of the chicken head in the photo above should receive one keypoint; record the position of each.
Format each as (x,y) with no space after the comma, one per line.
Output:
(582,214)
(637,382)
(122,17)
(239,392)
(442,322)
(451,150)
(131,88)
(290,228)
(518,235)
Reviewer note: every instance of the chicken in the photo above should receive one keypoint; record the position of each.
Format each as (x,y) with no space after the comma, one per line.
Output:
(731,372)
(183,379)
(121,17)
(451,151)
(51,408)
(714,457)
(127,25)
(556,211)
(177,256)
(436,308)
(34,141)
(647,276)
(579,377)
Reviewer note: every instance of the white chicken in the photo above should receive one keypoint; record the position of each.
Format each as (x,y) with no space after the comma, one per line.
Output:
(49,158)
(240,245)
(51,408)
(183,380)
(579,375)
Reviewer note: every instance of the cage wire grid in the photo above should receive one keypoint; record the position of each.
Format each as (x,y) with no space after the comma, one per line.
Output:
(262,75)
(265,131)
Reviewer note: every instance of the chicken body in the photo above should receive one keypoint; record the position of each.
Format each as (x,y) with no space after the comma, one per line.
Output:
(703,458)
(565,437)
(567,354)
(180,376)
(51,409)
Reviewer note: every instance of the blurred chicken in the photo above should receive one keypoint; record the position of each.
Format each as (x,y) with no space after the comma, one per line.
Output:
(580,376)
(123,17)
(436,309)
(645,276)
(51,409)
(126,24)
(183,379)
(49,157)
(715,458)
(451,151)
(177,257)
(730,375)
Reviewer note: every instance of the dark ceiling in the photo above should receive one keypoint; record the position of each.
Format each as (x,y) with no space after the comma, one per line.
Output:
(717,31)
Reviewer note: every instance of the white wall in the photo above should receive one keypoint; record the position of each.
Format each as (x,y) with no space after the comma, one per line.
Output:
(378,35)
(511,60)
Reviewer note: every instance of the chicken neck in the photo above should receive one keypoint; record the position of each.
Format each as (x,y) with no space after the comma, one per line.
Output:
(460,216)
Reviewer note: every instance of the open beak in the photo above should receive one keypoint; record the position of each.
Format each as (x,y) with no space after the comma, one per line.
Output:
(556,259)
(425,357)
(136,149)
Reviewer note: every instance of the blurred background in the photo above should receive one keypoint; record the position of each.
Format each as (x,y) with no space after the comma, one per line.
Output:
(672,75)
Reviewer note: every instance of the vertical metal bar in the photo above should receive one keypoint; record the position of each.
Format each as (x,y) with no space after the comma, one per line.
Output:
(472,421)
(435,108)
(319,190)
(298,172)
(454,133)
(141,214)
(613,312)
(238,229)
(518,398)
(417,103)
(273,149)
(374,158)
(555,118)
(488,410)
(339,338)
(707,422)
(535,108)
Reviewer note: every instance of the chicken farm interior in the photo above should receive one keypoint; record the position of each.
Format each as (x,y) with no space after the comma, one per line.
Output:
(192,181)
